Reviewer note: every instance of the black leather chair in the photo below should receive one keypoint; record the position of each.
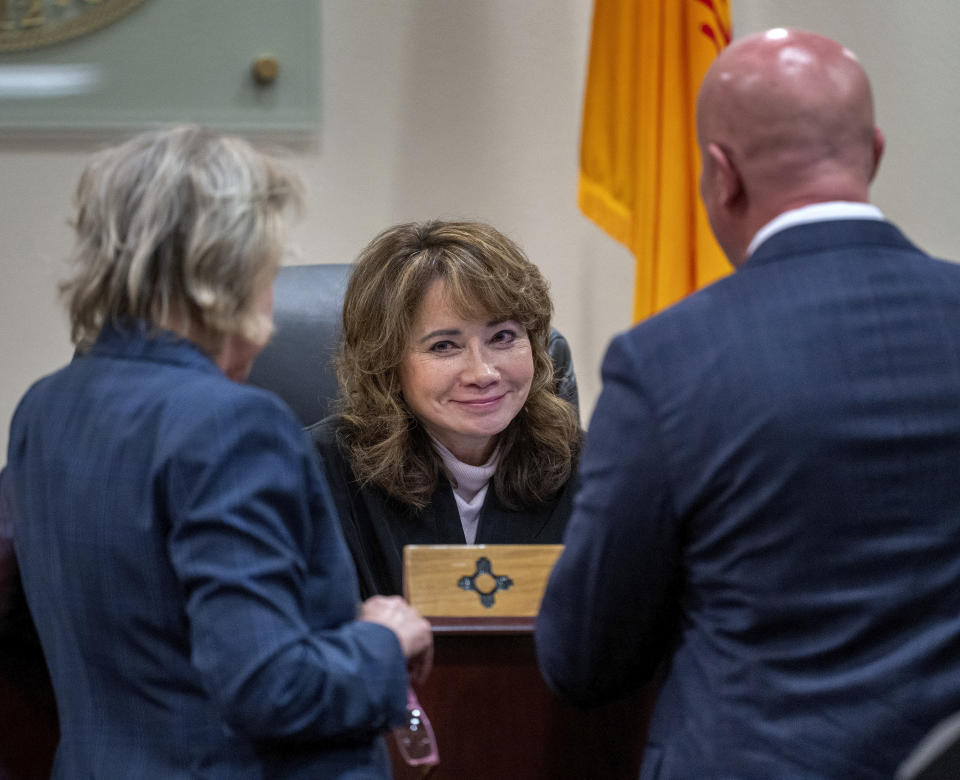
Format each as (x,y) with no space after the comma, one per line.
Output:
(937,757)
(298,363)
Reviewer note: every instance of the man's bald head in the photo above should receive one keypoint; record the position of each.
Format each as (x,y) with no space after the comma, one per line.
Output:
(784,119)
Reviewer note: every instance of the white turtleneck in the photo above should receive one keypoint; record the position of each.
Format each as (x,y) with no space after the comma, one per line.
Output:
(469,484)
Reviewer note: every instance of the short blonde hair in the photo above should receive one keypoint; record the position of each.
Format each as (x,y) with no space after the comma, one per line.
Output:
(180,228)
(483,272)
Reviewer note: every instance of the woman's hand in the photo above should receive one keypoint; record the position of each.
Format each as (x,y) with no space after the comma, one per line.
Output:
(413,631)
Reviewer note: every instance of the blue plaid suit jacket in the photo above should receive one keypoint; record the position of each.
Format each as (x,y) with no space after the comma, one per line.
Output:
(770,505)
(191,589)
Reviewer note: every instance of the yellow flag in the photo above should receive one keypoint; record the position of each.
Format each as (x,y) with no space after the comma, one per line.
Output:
(639,162)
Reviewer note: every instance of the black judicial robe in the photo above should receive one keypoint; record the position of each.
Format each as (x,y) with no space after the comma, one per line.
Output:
(377,527)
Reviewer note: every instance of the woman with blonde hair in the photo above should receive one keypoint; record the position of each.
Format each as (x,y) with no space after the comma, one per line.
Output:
(450,430)
(177,544)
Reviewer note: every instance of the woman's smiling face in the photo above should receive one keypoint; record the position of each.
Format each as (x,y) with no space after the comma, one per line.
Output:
(464,379)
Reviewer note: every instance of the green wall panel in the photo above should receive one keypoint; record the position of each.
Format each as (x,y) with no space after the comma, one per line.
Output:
(168,61)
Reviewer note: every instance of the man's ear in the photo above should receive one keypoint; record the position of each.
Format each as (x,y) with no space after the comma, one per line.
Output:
(878,144)
(728,185)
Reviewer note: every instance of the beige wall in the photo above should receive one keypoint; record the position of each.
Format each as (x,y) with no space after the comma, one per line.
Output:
(472,108)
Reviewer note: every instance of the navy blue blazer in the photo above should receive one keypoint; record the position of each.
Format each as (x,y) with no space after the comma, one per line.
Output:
(771,502)
(188,578)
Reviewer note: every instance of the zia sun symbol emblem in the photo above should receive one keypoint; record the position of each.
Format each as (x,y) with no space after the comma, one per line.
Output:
(480,581)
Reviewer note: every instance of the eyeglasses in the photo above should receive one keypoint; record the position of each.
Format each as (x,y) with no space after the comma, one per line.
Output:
(415,739)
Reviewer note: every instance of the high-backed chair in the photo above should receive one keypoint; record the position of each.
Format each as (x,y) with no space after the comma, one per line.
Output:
(298,363)
(937,757)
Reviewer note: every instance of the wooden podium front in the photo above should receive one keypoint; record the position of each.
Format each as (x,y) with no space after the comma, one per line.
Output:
(492,714)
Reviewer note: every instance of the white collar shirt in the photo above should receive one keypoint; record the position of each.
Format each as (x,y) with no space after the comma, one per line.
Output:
(815,212)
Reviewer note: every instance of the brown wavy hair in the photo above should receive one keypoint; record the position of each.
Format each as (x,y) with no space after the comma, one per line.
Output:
(485,274)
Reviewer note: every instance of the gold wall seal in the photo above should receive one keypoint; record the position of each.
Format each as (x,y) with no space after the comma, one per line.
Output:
(30,24)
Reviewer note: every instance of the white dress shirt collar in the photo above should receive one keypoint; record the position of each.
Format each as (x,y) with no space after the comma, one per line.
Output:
(815,212)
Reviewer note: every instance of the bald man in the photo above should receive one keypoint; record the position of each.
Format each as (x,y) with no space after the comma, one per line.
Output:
(770,502)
